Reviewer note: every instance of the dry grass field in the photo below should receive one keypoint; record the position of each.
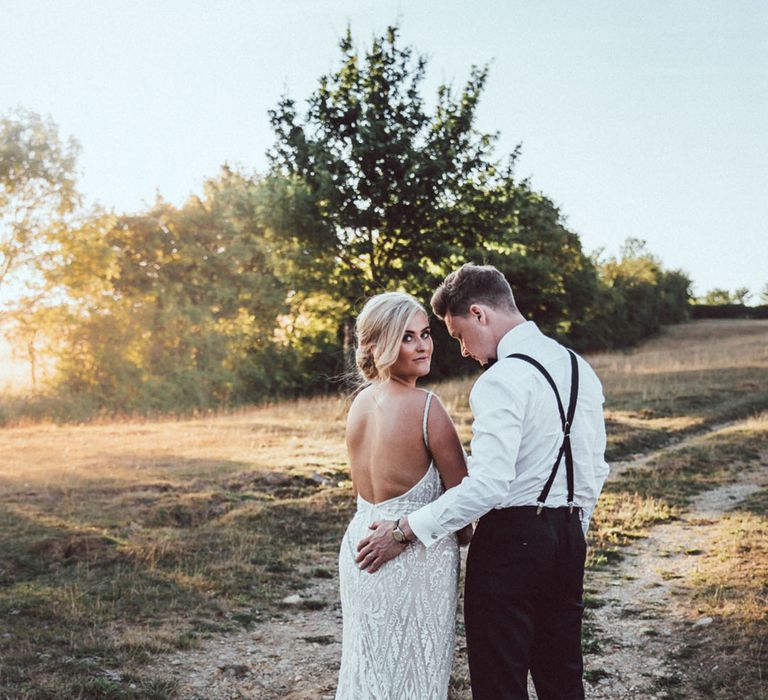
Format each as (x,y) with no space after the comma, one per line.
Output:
(122,541)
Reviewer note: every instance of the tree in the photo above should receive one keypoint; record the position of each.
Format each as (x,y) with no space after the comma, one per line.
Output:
(717,297)
(170,308)
(721,297)
(370,191)
(385,192)
(741,295)
(37,186)
(675,296)
(554,282)
(636,297)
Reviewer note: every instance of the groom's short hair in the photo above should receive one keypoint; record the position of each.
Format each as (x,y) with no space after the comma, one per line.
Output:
(472,284)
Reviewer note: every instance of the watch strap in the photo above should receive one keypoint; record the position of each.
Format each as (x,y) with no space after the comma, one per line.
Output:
(397,534)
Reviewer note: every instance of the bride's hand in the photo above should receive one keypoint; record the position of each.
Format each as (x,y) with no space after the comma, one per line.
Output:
(465,535)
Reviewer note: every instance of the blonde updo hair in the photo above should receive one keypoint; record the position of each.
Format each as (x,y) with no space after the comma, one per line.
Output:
(379,331)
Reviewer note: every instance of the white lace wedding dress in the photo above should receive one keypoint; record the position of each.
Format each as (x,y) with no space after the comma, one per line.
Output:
(399,623)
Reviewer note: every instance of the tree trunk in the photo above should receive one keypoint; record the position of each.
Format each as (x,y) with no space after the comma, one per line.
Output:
(32,356)
(349,345)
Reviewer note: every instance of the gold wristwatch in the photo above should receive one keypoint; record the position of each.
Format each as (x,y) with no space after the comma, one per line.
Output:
(397,534)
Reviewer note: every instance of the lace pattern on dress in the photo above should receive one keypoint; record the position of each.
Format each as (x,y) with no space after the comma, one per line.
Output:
(399,623)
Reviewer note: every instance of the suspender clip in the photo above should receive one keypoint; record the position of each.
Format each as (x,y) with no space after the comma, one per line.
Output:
(567,429)
(539,506)
(571,505)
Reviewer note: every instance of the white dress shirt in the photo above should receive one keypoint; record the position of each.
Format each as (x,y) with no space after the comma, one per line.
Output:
(516,435)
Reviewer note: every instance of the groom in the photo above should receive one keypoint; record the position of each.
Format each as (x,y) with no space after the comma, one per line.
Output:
(536,471)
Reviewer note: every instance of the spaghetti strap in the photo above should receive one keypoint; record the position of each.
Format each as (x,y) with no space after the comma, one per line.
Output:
(426,414)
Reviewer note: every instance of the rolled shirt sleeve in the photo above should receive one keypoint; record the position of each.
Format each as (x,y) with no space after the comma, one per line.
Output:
(499,407)
(600,468)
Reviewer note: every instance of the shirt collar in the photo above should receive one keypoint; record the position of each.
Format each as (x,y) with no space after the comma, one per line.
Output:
(518,339)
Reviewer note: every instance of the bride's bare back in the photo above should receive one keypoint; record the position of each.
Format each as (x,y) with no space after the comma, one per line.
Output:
(386,446)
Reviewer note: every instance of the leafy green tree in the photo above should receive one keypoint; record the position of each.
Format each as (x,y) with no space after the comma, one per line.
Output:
(374,191)
(37,186)
(554,282)
(675,296)
(173,307)
(721,297)
(637,297)
(717,297)
(385,192)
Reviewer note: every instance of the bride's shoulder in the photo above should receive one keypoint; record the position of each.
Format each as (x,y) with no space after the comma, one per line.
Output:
(421,398)
(435,402)
(361,398)
(439,419)
(402,400)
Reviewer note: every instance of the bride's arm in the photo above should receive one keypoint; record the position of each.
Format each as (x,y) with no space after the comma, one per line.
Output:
(449,456)
(445,446)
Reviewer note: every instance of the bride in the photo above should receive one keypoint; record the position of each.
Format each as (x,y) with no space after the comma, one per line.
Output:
(398,634)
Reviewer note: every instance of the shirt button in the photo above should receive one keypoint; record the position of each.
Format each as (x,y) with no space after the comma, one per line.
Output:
(434,536)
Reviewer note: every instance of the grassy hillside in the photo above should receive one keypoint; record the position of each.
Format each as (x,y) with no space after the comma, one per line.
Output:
(119,541)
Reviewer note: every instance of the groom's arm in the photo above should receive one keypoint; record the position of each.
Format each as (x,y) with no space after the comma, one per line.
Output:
(600,468)
(498,405)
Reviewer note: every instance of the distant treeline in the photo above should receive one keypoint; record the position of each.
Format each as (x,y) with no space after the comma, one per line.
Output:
(212,303)
(728,311)
(249,290)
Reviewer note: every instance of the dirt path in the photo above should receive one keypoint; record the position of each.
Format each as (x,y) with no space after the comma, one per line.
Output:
(639,607)
(642,601)
(292,657)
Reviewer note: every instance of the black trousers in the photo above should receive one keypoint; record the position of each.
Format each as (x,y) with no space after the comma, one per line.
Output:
(523,604)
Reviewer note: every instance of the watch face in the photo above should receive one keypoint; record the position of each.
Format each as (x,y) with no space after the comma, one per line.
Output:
(398,535)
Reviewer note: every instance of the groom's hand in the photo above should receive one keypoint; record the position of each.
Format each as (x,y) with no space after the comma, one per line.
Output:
(379,547)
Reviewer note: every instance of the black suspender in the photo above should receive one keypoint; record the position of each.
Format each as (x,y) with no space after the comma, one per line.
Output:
(567,421)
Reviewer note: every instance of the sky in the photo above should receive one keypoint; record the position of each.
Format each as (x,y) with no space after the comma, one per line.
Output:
(644,119)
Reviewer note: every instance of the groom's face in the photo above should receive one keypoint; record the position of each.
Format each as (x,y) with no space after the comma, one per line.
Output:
(473,334)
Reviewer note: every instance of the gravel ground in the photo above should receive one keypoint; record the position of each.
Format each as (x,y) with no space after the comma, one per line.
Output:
(297,656)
